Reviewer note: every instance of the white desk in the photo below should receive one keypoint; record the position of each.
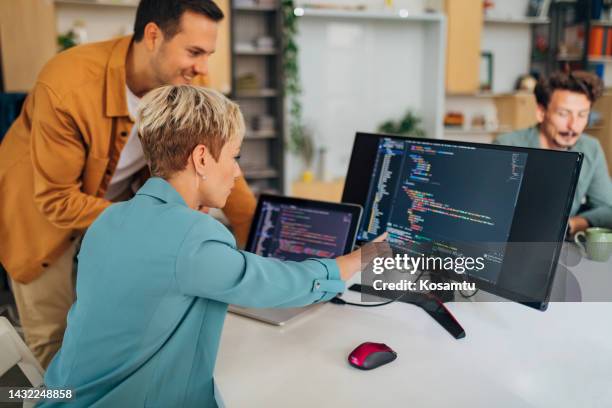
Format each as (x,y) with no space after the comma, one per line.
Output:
(594,278)
(512,356)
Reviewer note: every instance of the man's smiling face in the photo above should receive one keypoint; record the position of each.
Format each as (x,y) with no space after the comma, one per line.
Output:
(186,54)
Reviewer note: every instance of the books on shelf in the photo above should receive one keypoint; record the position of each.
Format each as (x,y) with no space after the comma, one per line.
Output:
(262,44)
(248,82)
(600,41)
(263,123)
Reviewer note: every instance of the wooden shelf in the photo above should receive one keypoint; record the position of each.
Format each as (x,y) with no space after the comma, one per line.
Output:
(462,131)
(516,21)
(569,58)
(260,134)
(575,58)
(483,95)
(254,9)
(605,59)
(384,15)
(601,23)
(472,95)
(258,174)
(259,93)
(247,49)
(257,35)
(105,3)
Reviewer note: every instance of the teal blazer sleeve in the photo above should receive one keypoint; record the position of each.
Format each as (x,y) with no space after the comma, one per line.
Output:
(215,269)
(599,192)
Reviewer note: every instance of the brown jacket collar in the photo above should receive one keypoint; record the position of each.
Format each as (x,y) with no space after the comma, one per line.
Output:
(116,102)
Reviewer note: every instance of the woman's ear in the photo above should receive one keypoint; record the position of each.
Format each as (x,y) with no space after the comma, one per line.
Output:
(199,159)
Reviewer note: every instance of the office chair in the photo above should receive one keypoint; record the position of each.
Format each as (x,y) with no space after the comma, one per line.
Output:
(7,301)
(18,366)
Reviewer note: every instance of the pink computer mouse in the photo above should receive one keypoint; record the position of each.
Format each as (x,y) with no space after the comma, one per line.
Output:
(371,355)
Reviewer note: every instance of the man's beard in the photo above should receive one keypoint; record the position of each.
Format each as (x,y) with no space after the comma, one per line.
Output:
(160,77)
(566,136)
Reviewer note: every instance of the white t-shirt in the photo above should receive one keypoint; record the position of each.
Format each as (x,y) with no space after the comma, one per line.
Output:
(132,157)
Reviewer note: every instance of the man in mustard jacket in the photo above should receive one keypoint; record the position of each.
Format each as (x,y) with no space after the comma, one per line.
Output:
(74,149)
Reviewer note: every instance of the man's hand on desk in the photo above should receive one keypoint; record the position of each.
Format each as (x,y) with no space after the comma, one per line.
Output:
(350,264)
(577,223)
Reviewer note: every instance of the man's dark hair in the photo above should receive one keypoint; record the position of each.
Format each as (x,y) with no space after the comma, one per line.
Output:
(581,82)
(167,14)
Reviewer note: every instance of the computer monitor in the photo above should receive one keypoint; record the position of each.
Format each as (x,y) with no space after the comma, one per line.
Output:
(507,205)
(295,229)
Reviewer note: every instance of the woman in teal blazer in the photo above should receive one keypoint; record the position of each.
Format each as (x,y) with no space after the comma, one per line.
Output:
(155,275)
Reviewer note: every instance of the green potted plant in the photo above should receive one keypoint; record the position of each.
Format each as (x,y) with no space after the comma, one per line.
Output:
(300,141)
(408,125)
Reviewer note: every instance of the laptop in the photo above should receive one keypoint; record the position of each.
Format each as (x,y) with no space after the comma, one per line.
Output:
(295,229)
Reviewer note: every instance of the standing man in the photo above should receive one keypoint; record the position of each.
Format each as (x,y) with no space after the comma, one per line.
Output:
(74,149)
(564,104)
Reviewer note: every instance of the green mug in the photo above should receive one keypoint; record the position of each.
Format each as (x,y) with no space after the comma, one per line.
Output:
(596,242)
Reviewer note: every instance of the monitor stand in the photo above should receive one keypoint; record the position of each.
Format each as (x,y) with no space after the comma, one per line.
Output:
(429,302)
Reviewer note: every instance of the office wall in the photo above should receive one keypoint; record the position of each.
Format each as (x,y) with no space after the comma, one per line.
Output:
(358,72)
(511,48)
(510,43)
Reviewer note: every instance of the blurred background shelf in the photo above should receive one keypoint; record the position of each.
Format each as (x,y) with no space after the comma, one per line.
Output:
(260,134)
(254,8)
(461,131)
(257,93)
(247,49)
(258,174)
(257,84)
(516,20)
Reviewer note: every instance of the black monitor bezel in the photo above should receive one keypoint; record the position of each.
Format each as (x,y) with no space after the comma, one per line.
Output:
(356,190)
(354,209)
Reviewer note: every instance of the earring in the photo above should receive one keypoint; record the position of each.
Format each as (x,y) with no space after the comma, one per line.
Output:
(203,177)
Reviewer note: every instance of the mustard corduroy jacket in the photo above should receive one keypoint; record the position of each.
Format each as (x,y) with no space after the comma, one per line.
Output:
(57,159)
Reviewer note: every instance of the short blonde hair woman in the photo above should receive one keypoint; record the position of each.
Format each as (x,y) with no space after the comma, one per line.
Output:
(155,277)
